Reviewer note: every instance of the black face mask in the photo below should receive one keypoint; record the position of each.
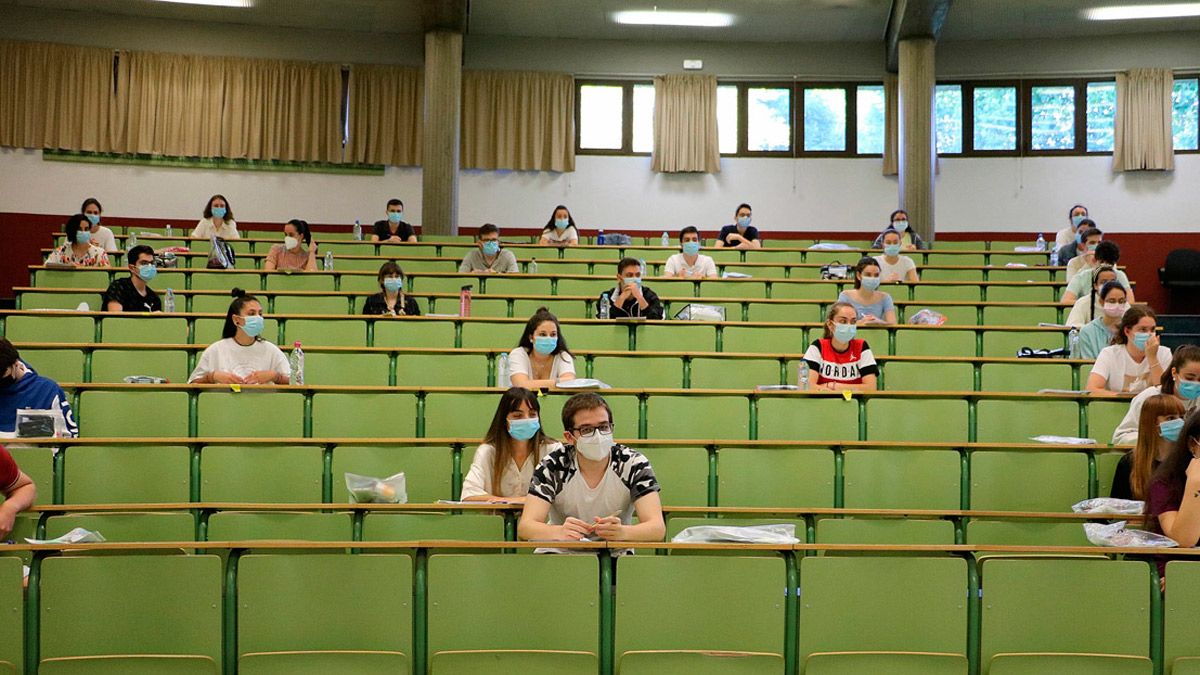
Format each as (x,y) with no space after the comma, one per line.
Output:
(7,381)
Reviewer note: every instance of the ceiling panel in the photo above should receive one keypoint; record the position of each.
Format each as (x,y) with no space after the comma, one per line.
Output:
(1015,19)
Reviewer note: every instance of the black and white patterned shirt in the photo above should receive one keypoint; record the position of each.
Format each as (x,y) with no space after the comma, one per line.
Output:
(557,480)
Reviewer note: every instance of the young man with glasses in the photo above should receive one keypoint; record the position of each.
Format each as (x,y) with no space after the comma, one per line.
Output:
(590,488)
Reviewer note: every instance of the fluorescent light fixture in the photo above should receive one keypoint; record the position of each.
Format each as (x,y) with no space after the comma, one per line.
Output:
(668,18)
(1125,12)
(214,3)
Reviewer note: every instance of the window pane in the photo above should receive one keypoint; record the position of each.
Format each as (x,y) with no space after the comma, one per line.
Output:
(871,119)
(600,117)
(727,119)
(643,118)
(1053,113)
(1186,117)
(825,119)
(1101,110)
(768,119)
(949,113)
(995,118)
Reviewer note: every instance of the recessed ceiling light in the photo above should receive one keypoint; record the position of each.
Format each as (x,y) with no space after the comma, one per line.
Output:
(667,18)
(214,3)
(1124,12)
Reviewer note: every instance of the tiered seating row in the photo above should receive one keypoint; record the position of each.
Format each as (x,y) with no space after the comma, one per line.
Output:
(499,333)
(764,475)
(269,611)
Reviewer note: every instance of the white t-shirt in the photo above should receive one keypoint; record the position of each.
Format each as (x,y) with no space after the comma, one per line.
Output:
(561,236)
(1078,264)
(1079,316)
(704,267)
(103,237)
(900,270)
(1126,432)
(1122,374)
(557,480)
(518,362)
(1065,236)
(227,355)
(514,482)
(205,229)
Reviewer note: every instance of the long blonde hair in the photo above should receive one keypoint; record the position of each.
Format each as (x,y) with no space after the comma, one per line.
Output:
(1146,450)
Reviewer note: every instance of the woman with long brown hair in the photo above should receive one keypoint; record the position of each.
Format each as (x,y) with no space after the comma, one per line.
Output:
(514,444)
(1158,429)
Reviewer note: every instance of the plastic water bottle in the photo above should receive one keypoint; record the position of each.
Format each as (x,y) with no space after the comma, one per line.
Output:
(600,238)
(169,303)
(605,307)
(666,240)
(502,379)
(1041,242)
(1073,342)
(357,230)
(297,363)
(803,375)
(170,231)
(131,241)
(642,262)
(533,266)
(464,301)
(329,261)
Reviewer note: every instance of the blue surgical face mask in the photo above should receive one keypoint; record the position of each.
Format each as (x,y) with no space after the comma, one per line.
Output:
(393,284)
(891,250)
(1140,340)
(219,212)
(1091,248)
(1170,429)
(524,429)
(491,247)
(870,283)
(545,345)
(844,332)
(1076,220)
(394,216)
(94,218)
(83,237)
(634,281)
(691,247)
(561,223)
(1188,390)
(899,225)
(254,326)
(743,221)
(147,271)
(1079,239)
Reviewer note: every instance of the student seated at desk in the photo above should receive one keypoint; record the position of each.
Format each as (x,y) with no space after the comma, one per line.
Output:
(133,293)
(560,230)
(909,239)
(1134,361)
(1182,381)
(690,263)
(591,487)
(78,249)
(241,356)
(839,360)
(18,491)
(489,258)
(893,267)
(541,359)
(630,299)
(1067,235)
(217,219)
(392,300)
(297,253)
(1158,430)
(393,229)
(1099,333)
(741,234)
(21,387)
(872,305)
(101,235)
(515,443)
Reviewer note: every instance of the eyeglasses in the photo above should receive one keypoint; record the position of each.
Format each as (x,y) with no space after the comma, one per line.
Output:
(588,431)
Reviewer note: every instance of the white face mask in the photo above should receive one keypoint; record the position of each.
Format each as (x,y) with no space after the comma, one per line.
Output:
(290,243)
(595,448)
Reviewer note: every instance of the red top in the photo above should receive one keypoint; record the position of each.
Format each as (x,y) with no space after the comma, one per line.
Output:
(9,472)
(848,367)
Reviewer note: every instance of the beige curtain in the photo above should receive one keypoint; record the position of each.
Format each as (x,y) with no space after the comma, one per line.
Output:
(891,126)
(1142,137)
(386,111)
(56,96)
(685,124)
(202,106)
(521,121)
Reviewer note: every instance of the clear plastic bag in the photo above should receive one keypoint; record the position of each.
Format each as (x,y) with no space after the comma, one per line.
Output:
(1125,507)
(1117,535)
(41,423)
(776,533)
(369,490)
(927,317)
(697,312)
(76,536)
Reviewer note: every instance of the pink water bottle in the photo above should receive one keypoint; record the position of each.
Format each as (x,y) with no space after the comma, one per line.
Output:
(464,301)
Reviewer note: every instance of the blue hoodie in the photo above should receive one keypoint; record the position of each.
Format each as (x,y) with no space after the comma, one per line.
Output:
(35,392)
